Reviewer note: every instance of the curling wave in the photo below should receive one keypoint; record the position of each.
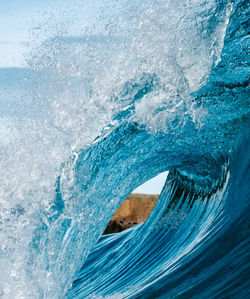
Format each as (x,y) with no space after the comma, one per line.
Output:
(151,87)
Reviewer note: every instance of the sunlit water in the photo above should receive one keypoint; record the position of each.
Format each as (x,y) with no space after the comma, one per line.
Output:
(111,95)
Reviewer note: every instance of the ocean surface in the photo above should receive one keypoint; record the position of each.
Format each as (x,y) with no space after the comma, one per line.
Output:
(113,93)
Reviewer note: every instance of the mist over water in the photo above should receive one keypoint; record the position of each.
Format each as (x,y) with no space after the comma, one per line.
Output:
(107,97)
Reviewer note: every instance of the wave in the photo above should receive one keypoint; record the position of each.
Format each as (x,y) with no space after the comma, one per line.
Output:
(150,87)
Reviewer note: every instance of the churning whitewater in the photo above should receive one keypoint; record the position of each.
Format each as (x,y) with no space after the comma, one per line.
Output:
(112,94)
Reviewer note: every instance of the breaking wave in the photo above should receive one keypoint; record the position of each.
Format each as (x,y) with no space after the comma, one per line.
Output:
(103,106)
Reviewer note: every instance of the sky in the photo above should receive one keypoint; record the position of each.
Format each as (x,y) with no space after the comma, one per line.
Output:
(153,186)
(15,21)
(19,18)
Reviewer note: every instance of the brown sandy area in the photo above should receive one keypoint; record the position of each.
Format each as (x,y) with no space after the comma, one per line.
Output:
(134,210)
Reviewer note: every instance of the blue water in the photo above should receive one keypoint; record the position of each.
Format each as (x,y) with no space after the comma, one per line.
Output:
(98,110)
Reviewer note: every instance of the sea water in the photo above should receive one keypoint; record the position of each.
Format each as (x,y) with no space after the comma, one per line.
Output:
(110,95)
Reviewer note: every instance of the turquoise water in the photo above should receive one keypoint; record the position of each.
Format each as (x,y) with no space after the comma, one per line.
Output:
(103,104)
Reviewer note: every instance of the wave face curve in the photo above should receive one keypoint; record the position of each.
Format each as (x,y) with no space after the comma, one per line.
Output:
(150,87)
